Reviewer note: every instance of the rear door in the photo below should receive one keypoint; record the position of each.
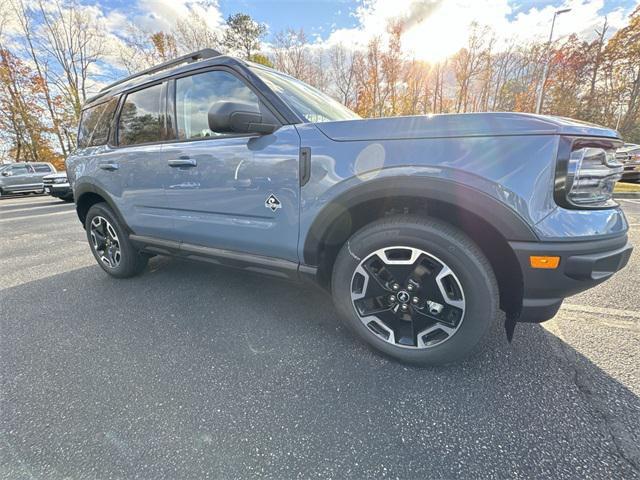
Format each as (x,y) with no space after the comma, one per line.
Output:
(125,154)
(41,170)
(230,191)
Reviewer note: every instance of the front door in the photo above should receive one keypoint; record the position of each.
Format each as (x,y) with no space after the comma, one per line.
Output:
(235,192)
(19,178)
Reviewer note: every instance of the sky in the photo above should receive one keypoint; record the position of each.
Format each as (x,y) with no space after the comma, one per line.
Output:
(434,29)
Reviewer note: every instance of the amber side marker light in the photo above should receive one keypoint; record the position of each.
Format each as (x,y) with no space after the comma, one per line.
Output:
(544,262)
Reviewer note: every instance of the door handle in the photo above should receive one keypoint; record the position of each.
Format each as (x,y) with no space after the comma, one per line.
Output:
(108,166)
(183,162)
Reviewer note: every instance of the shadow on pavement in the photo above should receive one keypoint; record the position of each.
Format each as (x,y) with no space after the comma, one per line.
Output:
(192,371)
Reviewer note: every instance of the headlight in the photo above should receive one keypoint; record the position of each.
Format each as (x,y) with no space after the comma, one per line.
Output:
(60,180)
(587,173)
(591,176)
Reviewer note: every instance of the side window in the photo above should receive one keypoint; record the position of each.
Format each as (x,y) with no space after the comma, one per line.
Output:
(95,124)
(140,117)
(42,168)
(197,93)
(19,170)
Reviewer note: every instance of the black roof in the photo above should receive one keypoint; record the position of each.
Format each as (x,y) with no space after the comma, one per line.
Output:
(181,64)
(195,61)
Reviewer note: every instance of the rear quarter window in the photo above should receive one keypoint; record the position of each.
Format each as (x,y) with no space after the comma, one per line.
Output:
(95,124)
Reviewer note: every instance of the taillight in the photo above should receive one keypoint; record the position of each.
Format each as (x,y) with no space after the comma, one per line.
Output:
(587,173)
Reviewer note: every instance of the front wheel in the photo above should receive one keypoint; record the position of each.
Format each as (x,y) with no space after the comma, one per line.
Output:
(416,289)
(110,243)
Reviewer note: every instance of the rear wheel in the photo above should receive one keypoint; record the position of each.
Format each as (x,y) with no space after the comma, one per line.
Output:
(416,289)
(110,243)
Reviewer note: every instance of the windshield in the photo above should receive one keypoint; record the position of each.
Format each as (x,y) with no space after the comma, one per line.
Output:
(311,104)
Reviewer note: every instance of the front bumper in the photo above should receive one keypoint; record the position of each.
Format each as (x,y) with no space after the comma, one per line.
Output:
(57,189)
(583,265)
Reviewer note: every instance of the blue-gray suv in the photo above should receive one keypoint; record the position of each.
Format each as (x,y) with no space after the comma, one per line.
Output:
(421,227)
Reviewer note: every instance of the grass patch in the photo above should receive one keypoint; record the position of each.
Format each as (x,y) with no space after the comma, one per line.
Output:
(627,187)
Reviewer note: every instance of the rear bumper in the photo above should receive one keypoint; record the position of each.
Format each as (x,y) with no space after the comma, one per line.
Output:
(582,265)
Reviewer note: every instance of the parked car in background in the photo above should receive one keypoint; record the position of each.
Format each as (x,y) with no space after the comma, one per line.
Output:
(421,227)
(58,186)
(24,177)
(629,156)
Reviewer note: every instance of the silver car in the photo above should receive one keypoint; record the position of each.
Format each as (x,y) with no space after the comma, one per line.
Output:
(629,156)
(23,177)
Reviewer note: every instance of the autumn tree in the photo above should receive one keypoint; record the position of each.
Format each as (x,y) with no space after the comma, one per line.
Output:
(192,33)
(22,112)
(467,64)
(623,56)
(291,53)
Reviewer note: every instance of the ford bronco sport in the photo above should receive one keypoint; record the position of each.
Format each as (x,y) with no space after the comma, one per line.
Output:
(421,227)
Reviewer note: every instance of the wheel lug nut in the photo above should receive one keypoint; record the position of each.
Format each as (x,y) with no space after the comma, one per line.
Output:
(404,306)
(395,286)
(415,299)
(410,287)
(392,298)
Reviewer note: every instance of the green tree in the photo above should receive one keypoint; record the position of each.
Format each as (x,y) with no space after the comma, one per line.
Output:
(243,34)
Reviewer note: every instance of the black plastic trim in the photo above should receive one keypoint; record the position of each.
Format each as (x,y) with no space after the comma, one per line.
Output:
(81,189)
(505,220)
(583,264)
(245,261)
(305,165)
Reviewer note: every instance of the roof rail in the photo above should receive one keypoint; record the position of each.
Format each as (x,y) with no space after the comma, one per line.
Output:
(189,58)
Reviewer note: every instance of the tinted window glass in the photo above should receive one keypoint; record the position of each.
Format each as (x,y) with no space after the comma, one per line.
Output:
(196,94)
(95,124)
(42,168)
(140,120)
(19,170)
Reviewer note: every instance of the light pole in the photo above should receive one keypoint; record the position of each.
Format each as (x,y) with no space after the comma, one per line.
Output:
(546,63)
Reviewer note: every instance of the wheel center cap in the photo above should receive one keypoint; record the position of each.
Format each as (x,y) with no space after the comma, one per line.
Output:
(403,296)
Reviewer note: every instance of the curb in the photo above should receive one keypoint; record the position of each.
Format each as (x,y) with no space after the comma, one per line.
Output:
(626,195)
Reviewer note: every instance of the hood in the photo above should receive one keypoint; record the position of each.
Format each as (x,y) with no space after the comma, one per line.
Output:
(459,125)
(628,147)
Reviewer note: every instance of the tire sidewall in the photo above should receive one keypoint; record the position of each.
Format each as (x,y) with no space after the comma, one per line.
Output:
(127,252)
(443,242)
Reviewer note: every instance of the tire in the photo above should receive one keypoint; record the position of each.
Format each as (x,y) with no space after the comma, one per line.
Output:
(109,242)
(443,282)
(68,199)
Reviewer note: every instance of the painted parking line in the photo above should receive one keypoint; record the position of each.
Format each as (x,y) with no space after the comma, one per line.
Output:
(628,200)
(4,201)
(29,209)
(572,307)
(29,217)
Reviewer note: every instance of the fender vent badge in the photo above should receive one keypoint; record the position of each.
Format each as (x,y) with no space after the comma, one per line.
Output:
(272,203)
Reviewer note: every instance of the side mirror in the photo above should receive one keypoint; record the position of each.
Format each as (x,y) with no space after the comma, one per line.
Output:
(8,173)
(239,117)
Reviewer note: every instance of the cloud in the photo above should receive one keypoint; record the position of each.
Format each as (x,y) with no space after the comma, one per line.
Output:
(163,15)
(435,29)
(159,15)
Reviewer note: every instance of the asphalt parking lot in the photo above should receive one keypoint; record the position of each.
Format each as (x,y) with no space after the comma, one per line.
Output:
(194,371)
